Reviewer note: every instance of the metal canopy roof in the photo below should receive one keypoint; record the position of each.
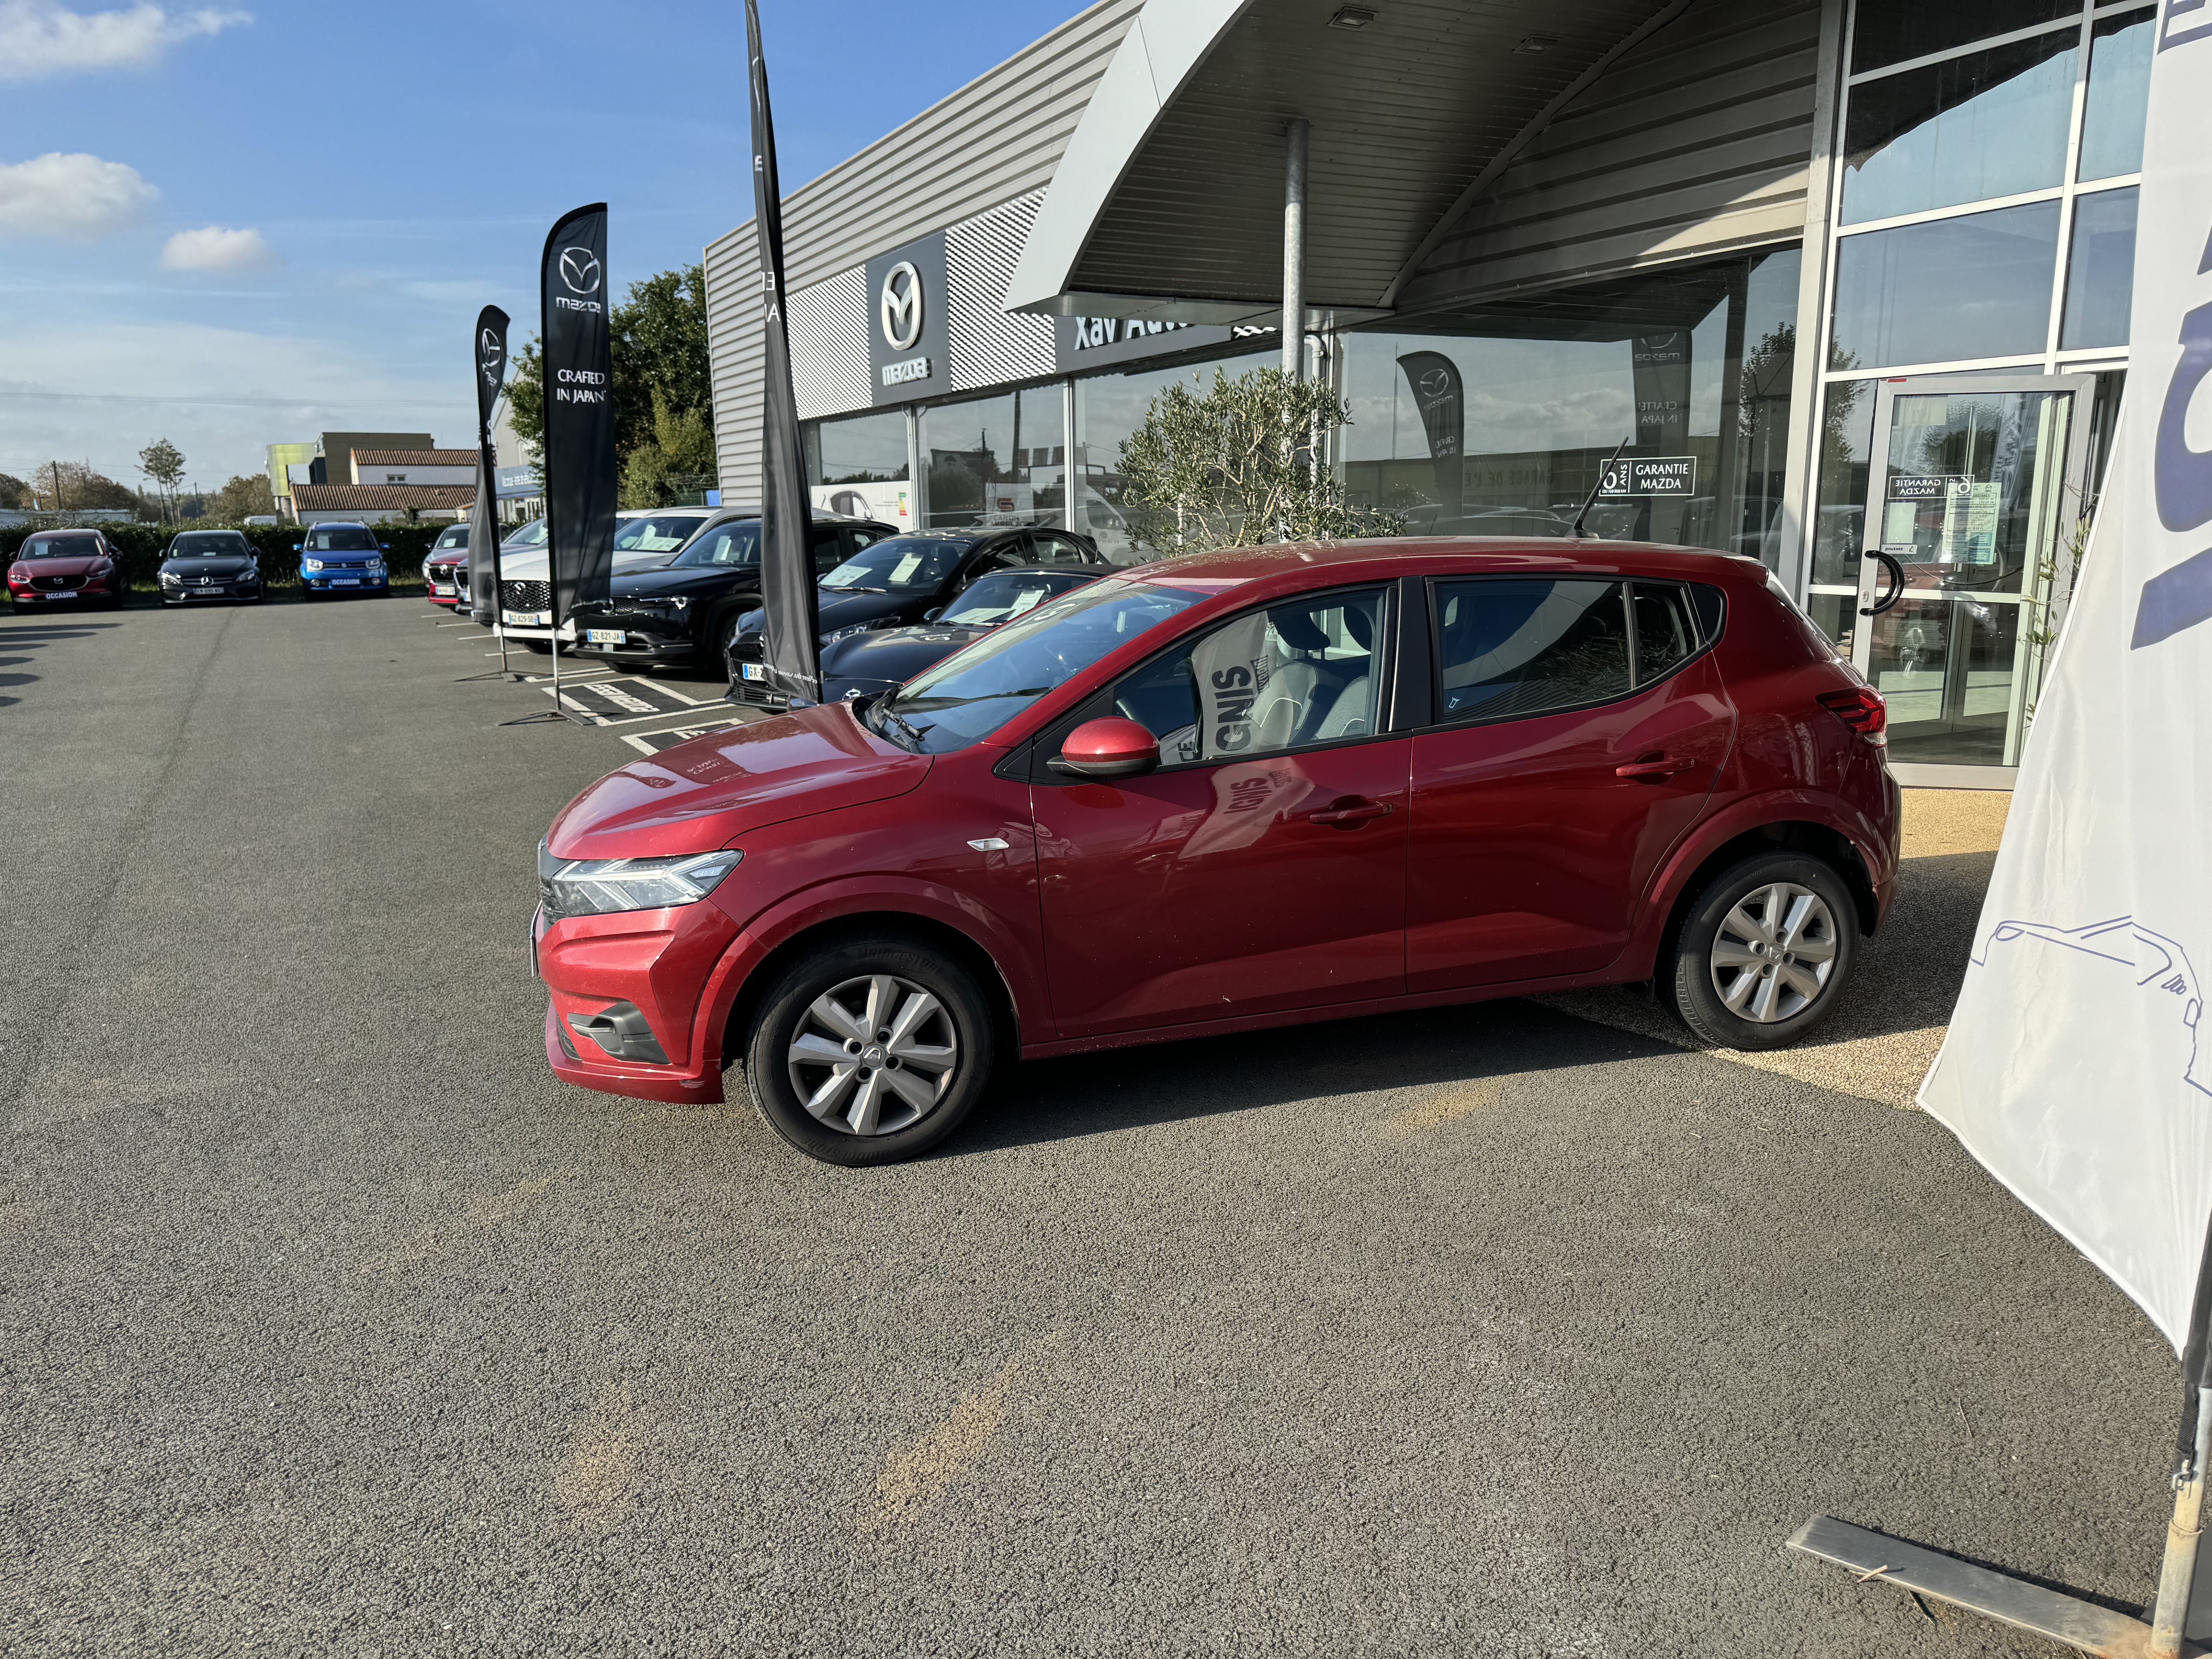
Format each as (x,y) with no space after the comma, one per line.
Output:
(1169,200)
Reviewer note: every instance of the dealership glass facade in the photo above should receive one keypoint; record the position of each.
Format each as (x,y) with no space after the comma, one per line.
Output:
(1498,421)
(1986,187)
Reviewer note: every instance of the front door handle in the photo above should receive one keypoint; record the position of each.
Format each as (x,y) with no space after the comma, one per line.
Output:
(1664,767)
(1349,813)
(1895,572)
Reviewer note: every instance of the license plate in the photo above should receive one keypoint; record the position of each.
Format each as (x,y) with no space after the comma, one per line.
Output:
(345,582)
(752,671)
(604,635)
(441,587)
(526,618)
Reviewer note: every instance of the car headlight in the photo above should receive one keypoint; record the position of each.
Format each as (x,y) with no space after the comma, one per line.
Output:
(310,564)
(170,578)
(848,633)
(592,887)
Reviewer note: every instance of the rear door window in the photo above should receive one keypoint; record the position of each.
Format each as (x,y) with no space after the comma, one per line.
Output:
(1512,647)
(1666,635)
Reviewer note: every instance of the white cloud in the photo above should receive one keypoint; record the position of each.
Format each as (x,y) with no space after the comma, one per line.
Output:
(39,38)
(216,249)
(79,196)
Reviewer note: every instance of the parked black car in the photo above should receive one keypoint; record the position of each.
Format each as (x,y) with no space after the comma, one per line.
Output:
(905,580)
(861,664)
(690,605)
(211,564)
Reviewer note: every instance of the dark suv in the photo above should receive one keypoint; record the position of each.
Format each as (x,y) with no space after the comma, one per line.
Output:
(689,604)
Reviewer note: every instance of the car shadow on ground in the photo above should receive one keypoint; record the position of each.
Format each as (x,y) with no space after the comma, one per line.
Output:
(22,633)
(1050,1100)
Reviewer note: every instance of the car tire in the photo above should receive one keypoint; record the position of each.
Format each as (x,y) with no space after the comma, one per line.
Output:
(726,639)
(1743,981)
(819,1006)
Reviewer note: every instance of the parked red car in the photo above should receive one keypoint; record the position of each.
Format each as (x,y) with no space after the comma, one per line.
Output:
(1228,792)
(64,567)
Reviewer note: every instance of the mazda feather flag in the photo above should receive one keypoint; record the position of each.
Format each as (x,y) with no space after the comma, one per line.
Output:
(1440,395)
(490,349)
(2078,1067)
(788,597)
(580,411)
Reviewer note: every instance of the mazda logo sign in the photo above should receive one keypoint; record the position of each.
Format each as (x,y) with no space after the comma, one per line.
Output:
(900,307)
(579,270)
(488,351)
(1435,383)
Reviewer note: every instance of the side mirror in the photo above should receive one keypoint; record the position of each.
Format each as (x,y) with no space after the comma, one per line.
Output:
(1107,748)
(931,615)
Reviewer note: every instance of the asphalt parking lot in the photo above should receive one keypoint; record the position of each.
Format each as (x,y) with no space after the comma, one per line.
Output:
(333,1324)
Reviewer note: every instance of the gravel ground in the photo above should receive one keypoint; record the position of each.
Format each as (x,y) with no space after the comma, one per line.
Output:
(333,1325)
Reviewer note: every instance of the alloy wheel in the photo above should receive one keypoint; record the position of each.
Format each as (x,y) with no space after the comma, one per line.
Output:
(1774,953)
(873,1055)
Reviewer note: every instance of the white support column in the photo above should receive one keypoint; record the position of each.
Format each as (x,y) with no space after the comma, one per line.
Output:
(1294,250)
(1072,473)
(917,481)
(1801,479)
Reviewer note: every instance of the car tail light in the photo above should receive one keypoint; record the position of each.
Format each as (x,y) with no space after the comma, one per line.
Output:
(1861,707)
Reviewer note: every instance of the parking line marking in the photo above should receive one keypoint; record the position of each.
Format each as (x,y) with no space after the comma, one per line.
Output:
(914,1475)
(1444,1108)
(642,741)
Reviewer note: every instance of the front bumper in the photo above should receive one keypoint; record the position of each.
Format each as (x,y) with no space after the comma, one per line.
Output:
(658,961)
(184,593)
(94,588)
(634,634)
(324,580)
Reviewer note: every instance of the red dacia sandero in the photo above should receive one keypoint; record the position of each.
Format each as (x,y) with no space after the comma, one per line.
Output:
(1223,793)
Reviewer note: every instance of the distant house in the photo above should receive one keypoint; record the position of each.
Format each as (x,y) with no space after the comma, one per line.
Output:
(415,466)
(381,504)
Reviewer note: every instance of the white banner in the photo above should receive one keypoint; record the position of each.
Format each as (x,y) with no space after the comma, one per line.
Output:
(2077,1068)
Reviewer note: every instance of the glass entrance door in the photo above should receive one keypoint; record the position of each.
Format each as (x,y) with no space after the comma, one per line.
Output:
(1974,497)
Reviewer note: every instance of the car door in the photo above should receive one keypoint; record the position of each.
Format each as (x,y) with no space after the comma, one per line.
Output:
(1580,726)
(1262,866)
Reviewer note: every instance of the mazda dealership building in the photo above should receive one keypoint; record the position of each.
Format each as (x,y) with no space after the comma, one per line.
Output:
(1851,281)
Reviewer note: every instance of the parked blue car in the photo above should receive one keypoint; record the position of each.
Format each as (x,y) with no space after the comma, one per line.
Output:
(338,558)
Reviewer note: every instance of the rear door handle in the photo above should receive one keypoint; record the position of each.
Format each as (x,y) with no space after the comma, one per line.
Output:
(1665,767)
(1349,814)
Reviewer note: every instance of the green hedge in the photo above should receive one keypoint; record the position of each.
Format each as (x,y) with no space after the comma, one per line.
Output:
(141,547)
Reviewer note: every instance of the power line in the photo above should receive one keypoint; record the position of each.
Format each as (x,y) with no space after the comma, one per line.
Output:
(246,403)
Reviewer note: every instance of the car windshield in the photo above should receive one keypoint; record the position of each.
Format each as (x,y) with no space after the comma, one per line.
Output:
(60,547)
(1002,598)
(209,544)
(531,535)
(340,538)
(903,564)
(651,537)
(979,688)
(456,536)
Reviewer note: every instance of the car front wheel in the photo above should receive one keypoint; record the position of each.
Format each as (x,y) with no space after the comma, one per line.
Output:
(870,1050)
(1766,952)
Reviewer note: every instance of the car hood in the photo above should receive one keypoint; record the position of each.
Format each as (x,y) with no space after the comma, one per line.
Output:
(707,793)
(668,582)
(849,609)
(886,653)
(228,565)
(76,566)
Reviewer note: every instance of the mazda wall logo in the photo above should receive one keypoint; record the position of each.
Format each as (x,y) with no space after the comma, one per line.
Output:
(900,307)
(579,270)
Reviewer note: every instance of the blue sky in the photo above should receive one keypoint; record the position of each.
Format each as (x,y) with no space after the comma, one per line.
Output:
(232,226)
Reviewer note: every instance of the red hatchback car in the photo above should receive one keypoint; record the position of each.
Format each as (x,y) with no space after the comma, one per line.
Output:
(1227,792)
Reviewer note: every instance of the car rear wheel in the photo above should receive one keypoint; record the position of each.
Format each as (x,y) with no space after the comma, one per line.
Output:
(870,1050)
(1766,952)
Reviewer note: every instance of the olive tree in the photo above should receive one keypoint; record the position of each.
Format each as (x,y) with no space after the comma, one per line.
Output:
(1234,465)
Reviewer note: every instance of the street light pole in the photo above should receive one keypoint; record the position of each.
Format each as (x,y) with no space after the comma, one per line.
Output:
(1294,250)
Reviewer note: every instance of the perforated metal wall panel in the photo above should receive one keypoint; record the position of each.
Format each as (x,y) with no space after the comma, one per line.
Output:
(829,328)
(987,346)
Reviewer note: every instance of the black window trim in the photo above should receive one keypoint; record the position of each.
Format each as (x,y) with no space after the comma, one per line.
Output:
(1626,583)
(1031,760)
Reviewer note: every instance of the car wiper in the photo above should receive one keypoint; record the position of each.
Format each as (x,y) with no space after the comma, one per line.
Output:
(892,716)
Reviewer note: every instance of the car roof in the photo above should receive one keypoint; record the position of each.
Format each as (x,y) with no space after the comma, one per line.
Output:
(1472,554)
